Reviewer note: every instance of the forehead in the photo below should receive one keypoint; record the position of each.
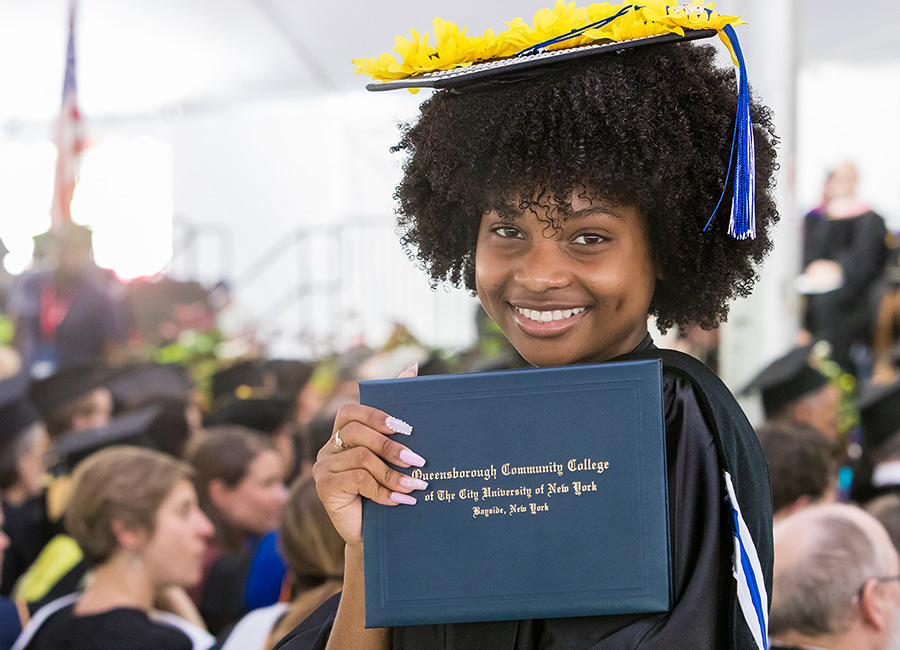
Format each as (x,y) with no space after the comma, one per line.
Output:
(577,203)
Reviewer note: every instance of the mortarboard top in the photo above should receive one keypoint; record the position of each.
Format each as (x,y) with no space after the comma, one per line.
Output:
(239,380)
(16,412)
(247,394)
(260,413)
(67,385)
(562,37)
(137,383)
(786,380)
(290,375)
(131,429)
(879,412)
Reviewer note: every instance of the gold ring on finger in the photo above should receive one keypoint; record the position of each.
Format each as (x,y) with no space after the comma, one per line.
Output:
(339,444)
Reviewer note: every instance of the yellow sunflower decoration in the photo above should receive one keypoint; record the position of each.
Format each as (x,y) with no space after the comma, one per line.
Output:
(564,26)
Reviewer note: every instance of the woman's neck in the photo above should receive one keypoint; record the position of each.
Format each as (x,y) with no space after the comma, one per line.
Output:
(119,582)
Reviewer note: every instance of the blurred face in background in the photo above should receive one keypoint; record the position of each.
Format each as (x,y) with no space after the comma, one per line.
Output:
(254,505)
(174,552)
(4,539)
(30,465)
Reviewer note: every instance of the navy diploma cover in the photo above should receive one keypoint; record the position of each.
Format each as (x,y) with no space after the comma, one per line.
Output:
(547,497)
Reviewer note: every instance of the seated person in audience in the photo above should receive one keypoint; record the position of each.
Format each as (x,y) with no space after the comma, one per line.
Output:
(837,582)
(879,414)
(10,625)
(240,483)
(886,509)
(73,399)
(60,566)
(801,466)
(134,513)
(23,441)
(315,555)
(793,389)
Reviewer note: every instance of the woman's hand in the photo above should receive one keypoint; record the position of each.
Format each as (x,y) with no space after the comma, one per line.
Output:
(354,464)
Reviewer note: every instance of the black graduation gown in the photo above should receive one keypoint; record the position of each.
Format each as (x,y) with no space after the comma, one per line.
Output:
(112,630)
(846,315)
(28,528)
(705,432)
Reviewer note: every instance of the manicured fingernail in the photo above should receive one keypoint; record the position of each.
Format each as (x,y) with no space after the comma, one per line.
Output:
(413,483)
(398,426)
(403,499)
(411,458)
(413,367)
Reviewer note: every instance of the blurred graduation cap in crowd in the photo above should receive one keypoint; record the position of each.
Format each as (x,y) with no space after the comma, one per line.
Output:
(247,394)
(290,375)
(17,413)
(786,380)
(130,429)
(67,385)
(879,412)
(140,383)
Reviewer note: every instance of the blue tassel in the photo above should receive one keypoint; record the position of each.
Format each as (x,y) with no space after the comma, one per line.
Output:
(540,47)
(742,224)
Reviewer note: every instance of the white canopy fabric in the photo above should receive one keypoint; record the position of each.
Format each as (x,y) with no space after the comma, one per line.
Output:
(137,57)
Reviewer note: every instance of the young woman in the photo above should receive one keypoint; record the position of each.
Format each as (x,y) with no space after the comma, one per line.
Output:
(573,198)
(240,481)
(315,556)
(134,514)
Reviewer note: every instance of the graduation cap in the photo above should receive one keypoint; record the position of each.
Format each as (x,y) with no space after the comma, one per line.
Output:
(879,412)
(786,380)
(260,413)
(290,375)
(66,385)
(247,394)
(240,380)
(131,429)
(16,411)
(142,382)
(564,36)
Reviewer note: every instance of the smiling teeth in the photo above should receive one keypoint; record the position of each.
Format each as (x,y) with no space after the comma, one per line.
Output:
(547,316)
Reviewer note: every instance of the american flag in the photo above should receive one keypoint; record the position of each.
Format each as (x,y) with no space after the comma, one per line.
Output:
(68,136)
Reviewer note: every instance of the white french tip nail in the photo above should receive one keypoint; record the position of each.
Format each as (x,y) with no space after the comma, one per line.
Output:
(398,426)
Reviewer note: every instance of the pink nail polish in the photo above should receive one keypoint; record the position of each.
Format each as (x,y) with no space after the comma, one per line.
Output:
(398,426)
(403,499)
(414,368)
(411,458)
(413,483)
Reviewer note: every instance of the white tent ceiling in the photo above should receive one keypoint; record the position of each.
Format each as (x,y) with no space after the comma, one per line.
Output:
(138,57)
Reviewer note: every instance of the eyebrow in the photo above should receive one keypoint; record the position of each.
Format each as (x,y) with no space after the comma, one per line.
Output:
(600,209)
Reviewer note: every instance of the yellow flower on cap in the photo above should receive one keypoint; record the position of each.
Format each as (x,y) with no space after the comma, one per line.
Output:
(454,48)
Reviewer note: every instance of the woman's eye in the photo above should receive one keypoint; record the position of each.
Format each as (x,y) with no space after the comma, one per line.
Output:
(507,231)
(588,238)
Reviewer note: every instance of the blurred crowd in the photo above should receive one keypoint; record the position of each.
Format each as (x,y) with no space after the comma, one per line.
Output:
(154,485)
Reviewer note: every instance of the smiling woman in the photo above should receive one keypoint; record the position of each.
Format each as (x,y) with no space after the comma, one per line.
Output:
(576,196)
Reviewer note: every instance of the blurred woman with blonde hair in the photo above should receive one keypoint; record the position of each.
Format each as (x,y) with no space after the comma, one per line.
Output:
(134,514)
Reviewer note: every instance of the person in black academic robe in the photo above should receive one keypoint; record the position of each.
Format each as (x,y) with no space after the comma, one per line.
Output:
(577,202)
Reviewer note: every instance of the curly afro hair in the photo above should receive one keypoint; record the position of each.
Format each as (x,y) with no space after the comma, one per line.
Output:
(649,127)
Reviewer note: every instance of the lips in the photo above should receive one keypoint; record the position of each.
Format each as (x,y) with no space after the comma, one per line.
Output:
(546,322)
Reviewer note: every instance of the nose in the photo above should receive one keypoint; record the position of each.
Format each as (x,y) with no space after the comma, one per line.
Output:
(543,266)
(204,525)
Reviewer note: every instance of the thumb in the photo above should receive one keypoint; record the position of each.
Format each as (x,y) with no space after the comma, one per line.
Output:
(411,371)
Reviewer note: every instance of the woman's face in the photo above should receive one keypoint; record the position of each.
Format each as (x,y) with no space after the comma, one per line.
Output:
(254,505)
(30,465)
(577,294)
(174,553)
